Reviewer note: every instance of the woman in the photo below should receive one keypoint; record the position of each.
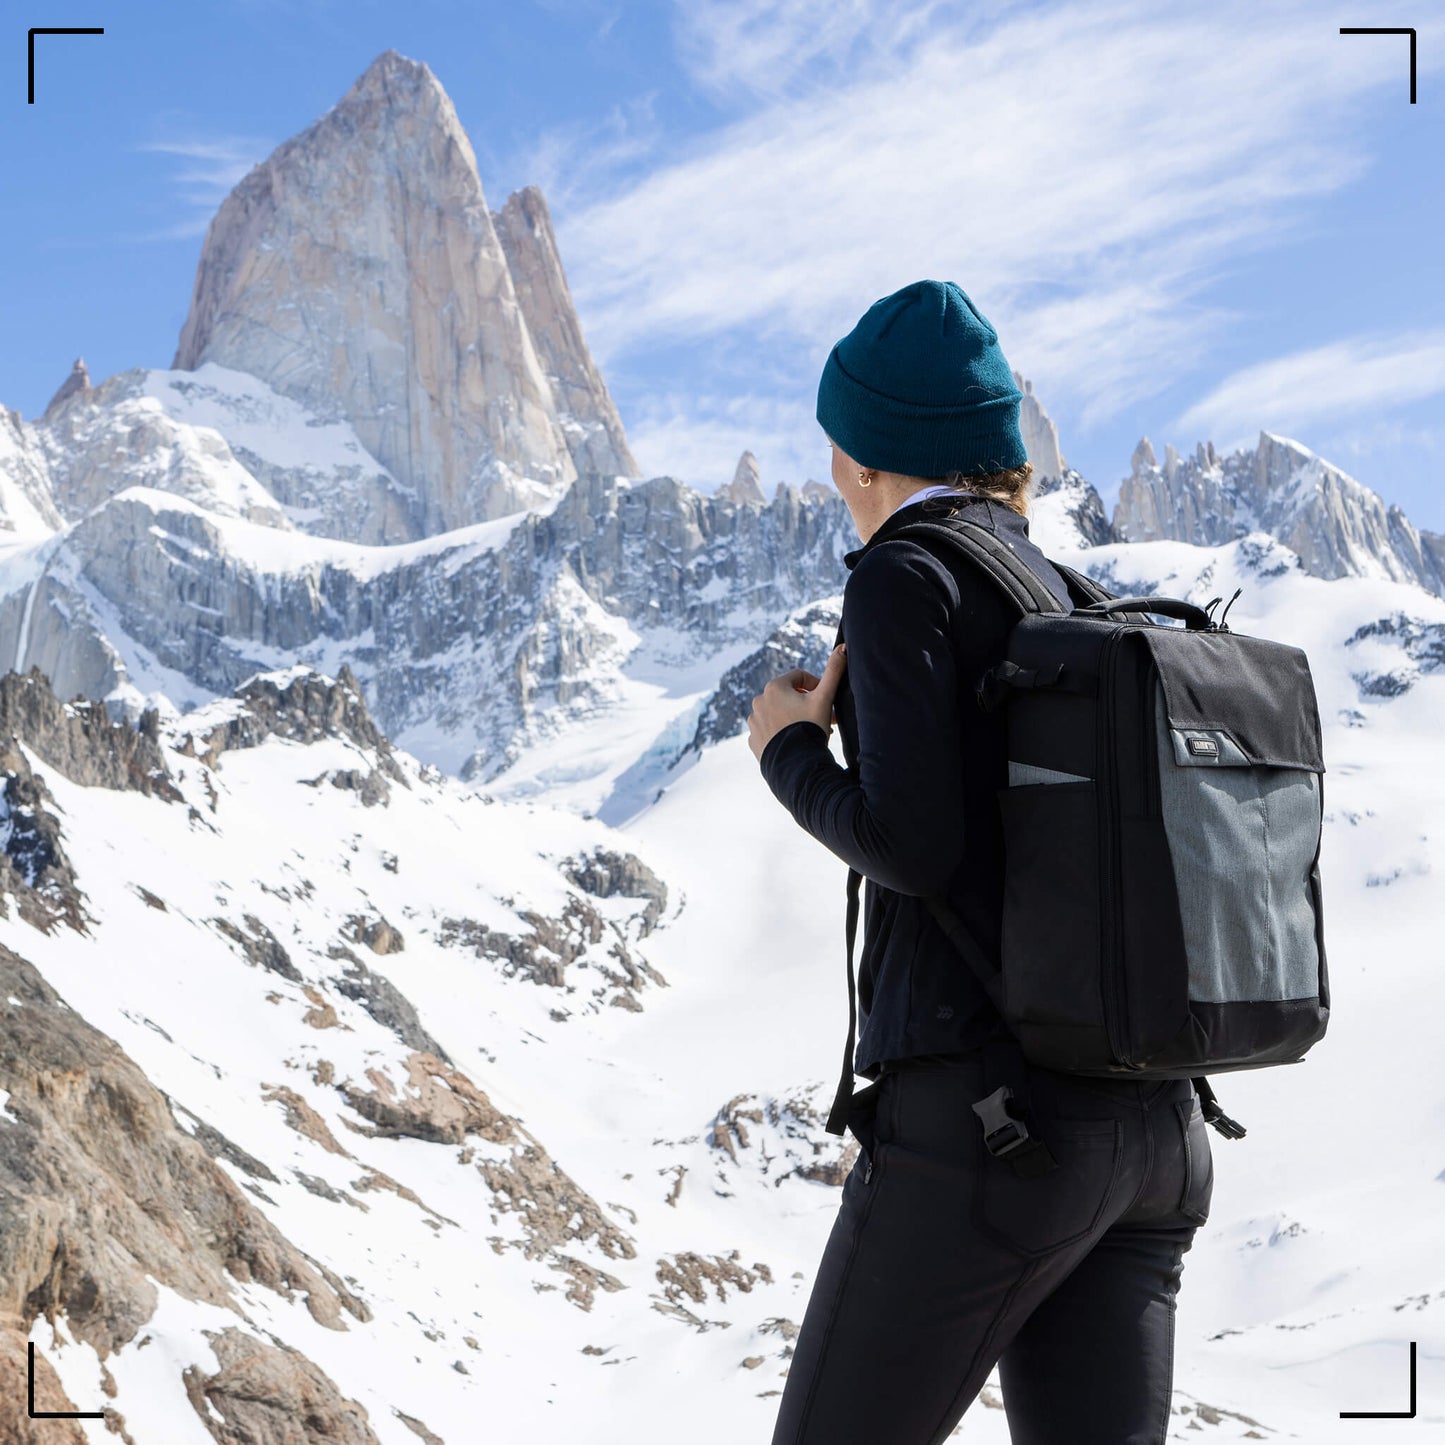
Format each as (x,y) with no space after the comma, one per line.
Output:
(947,1258)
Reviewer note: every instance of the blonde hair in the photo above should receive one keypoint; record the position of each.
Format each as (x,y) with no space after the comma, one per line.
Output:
(1011,486)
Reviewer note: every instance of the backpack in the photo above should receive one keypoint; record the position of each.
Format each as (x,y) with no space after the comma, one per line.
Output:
(1162,823)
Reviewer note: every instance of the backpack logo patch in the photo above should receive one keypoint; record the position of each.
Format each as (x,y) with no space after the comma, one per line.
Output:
(1202,747)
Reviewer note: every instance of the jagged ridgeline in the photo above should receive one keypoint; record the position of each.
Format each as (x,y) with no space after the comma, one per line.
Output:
(298,1025)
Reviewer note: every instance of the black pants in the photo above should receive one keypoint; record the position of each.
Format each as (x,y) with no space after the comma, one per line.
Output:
(943,1262)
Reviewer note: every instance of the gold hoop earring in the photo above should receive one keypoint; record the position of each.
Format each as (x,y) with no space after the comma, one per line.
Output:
(861,482)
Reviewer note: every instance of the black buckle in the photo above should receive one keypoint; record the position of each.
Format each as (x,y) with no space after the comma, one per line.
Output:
(1003,1131)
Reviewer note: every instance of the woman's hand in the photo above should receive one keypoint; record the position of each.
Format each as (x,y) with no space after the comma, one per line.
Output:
(795,696)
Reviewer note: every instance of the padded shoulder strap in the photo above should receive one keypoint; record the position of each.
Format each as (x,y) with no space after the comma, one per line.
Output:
(1014,578)
(1082,588)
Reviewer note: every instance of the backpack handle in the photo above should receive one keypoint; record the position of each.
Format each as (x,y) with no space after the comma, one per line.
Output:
(1195,618)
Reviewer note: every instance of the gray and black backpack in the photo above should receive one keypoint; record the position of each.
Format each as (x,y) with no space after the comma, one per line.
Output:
(1162,825)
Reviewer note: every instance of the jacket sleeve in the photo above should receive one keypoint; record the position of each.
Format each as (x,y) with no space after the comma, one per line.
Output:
(899,821)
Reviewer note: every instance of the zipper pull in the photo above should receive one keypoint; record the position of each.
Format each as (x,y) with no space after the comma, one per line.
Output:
(868,1172)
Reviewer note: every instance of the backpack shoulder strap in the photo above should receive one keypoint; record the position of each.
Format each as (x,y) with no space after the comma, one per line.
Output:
(1082,588)
(998,561)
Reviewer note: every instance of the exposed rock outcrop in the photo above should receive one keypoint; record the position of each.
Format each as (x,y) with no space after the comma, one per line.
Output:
(555,944)
(1074,503)
(436,1103)
(79,739)
(607,874)
(265,1394)
(803,639)
(782,1138)
(259,945)
(1414,647)
(34,868)
(694,1276)
(554,1209)
(302,708)
(101,1192)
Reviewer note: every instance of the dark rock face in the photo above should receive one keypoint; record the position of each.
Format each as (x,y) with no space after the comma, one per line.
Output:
(1084,506)
(33,865)
(260,946)
(78,738)
(1423,644)
(606,874)
(804,640)
(386,1004)
(81,742)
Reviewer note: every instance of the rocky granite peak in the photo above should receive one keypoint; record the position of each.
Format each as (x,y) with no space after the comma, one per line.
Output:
(584,407)
(77,381)
(1041,436)
(357,271)
(746,485)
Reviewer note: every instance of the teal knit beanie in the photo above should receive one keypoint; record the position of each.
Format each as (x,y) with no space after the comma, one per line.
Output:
(921,387)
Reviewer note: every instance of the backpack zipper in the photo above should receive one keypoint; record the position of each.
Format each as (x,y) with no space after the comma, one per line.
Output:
(1111,931)
(1153,803)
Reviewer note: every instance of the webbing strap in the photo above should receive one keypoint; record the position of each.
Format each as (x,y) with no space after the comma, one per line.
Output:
(997,560)
(842,1100)
(963,940)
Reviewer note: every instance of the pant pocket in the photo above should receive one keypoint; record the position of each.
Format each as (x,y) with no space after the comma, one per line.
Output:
(862,1113)
(1198,1188)
(1038,1215)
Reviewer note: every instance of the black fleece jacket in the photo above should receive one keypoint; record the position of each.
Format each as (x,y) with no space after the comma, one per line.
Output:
(914,810)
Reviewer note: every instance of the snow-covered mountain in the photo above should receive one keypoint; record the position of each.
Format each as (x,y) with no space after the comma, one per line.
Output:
(418,1017)
(1334,524)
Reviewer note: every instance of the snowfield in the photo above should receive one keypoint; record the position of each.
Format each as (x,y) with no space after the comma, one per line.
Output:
(1321,1261)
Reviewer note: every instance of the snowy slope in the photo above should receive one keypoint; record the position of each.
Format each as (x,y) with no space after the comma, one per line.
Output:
(1297,1305)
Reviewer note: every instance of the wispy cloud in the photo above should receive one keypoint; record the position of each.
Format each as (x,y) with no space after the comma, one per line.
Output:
(577,163)
(1085,170)
(773,48)
(208,172)
(699,438)
(1354,377)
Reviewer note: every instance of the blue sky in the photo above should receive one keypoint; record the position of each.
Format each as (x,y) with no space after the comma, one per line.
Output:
(1187,221)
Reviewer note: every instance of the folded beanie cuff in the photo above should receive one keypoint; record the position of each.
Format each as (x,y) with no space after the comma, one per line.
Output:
(918,439)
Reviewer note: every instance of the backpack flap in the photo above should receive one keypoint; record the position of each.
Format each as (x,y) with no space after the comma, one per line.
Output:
(1223,855)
